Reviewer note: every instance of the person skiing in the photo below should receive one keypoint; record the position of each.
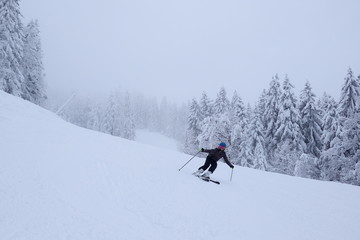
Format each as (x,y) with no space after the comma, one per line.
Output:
(211,161)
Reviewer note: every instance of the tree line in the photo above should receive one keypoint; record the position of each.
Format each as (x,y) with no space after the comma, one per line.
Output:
(305,136)
(121,113)
(21,67)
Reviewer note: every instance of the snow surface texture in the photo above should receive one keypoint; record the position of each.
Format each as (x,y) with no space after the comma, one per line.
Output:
(59,181)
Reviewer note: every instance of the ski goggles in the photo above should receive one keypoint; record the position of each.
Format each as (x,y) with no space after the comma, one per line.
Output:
(221,147)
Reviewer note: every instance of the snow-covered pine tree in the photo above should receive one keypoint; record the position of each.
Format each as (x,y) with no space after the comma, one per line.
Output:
(112,115)
(221,130)
(307,167)
(357,154)
(311,123)
(221,122)
(348,146)
(257,141)
(5,71)
(262,107)
(141,111)
(206,121)
(348,104)
(205,138)
(193,130)
(96,116)
(11,48)
(329,120)
(246,157)
(216,128)
(206,106)
(288,134)
(237,109)
(330,128)
(238,124)
(271,115)
(34,90)
(222,103)
(127,125)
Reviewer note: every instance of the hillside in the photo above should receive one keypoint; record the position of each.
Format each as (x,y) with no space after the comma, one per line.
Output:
(59,181)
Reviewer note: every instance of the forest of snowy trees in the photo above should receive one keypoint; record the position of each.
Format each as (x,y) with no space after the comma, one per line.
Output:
(21,68)
(305,136)
(121,113)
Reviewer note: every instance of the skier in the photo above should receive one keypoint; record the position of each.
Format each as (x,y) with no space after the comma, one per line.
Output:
(211,161)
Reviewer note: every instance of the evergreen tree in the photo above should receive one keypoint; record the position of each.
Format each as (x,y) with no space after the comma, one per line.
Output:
(271,114)
(32,65)
(339,162)
(257,145)
(330,121)
(311,123)
(205,138)
(206,106)
(307,167)
(348,148)
(5,72)
(221,126)
(141,111)
(112,117)
(96,118)
(237,110)
(221,105)
(329,160)
(246,157)
(238,124)
(11,48)
(349,96)
(194,118)
(216,128)
(127,127)
(222,130)
(288,135)
(348,110)
(193,128)
(262,108)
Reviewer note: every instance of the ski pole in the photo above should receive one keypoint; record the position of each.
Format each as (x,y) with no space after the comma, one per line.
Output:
(232,170)
(189,160)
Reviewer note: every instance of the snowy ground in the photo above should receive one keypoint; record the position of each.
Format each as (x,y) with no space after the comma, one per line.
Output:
(59,181)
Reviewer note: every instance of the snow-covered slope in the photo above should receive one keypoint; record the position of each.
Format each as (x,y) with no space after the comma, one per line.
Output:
(59,181)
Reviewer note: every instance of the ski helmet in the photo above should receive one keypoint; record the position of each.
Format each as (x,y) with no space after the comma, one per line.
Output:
(222,144)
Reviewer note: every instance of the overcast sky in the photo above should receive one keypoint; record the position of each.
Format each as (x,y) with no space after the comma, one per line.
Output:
(181,48)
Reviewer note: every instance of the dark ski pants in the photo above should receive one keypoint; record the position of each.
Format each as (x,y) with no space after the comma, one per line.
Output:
(209,162)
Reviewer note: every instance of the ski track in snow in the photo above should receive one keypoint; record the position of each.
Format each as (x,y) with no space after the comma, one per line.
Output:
(59,181)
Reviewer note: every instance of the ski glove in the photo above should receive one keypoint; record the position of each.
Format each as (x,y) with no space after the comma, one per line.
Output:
(201,149)
(232,166)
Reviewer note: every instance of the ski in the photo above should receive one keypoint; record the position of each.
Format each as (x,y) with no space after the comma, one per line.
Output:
(217,182)
(209,180)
